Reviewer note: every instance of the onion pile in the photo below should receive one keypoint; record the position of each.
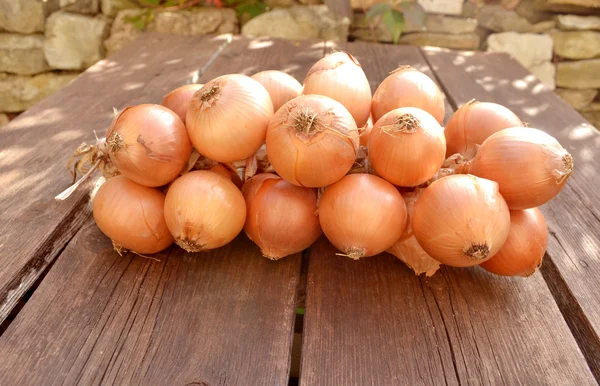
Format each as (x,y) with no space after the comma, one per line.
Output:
(287,163)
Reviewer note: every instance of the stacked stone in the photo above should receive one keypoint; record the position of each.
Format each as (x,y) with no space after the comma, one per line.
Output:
(46,44)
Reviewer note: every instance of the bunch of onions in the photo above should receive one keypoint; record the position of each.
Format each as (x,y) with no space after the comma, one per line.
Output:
(227,118)
(282,87)
(530,166)
(473,123)
(339,76)
(407,87)
(524,249)
(204,210)
(407,249)
(461,220)
(148,144)
(132,216)
(312,141)
(362,215)
(281,217)
(179,99)
(407,146)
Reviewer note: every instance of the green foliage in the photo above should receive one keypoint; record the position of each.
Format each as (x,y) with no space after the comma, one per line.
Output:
(394,14)
(142,19)
(252,8)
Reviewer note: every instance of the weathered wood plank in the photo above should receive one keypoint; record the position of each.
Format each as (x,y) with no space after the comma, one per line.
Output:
(374,322)
(223,317)
(573,216)
(35,148)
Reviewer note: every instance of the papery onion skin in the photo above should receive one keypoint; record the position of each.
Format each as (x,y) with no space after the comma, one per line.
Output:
(132,215)
(524,249)
(530,166)
(228,117)
(312,141)
(148,144)
(362,215)
(407,146)
(407,249)
(204,210)
(407,87)
(339,76)
(281,217)
(179,99)
(473,123)
(461,220)
(282,87)
(366,132)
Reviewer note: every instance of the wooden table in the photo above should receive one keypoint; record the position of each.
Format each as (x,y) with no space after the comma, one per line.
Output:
(90,316)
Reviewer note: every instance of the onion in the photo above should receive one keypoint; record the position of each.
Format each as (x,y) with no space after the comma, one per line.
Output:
(524,249)
(362,215)
(204,210)
(407,146)
(408,249)
(148,144)
(282,217)
(179,99)
(407,87)
(282,87)
(312,141)
(339,76)
(530,166)
(227,172)
(228,117)
(131,215)
(461,220)
(473,123)
(366,131)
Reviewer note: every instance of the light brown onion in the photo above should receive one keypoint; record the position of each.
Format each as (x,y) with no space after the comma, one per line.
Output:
(461,220)
(148,144)
(407,146)
(524,249)
(282,218)
(339,76)
(132,216)
(228,117)
(282,87)
(362,215)
(204,210)
(473,123)
(407,87)
(530,166)
(179,99)
(312,141)
(407,249)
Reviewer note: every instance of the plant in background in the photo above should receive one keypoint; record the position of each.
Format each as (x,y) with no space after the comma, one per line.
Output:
(394,14)
(251,8)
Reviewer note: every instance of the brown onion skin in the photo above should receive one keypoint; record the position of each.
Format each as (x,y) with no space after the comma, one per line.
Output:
(407,154)
(340,76)
(282,87)
(362,215)
(366,132)
(132,215)
(407,87)
(461,220)
(227,118)
(524,249)
(148,144)
(473,123)
(529,165)
(204,210)
(179,99)
(281,217)
(321,157)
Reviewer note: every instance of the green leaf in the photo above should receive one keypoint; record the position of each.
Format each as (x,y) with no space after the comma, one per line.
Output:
(230,2)
(377,10)
(151,2)
(414,14)
(299,311)
(251,9)
(394,21)
(170,3)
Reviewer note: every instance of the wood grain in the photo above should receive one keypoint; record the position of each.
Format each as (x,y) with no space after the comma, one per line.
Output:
(374,322)
(573,216)
(35,148)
